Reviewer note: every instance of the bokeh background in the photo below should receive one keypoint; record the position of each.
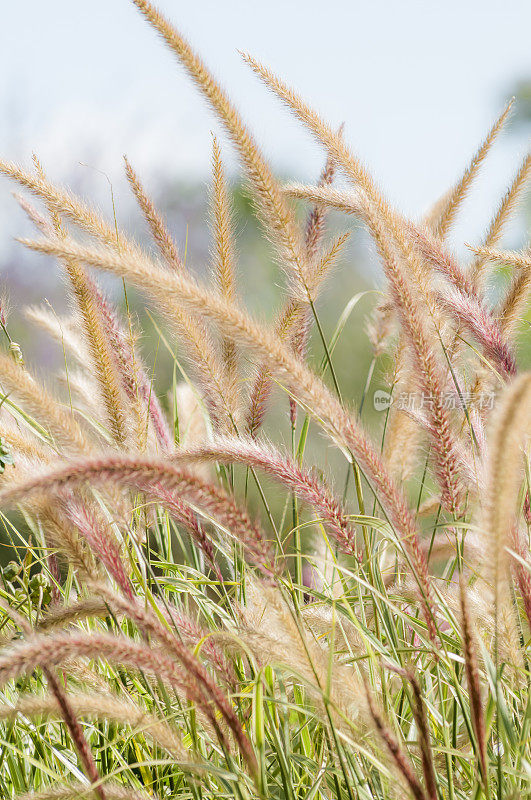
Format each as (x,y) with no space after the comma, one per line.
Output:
(417,84)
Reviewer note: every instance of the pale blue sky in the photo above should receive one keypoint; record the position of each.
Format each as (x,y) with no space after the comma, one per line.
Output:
(416,83)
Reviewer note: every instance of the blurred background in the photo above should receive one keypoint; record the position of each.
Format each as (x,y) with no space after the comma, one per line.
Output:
(417,85)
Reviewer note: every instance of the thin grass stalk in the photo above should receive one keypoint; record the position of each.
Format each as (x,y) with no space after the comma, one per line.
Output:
(156,224)
(95,333)
(76,732)
(312,240)
(473,682)
(61,533)
(418,708)
(515,298)
(223,266)
(95,532)
(458,193)
(417,334)
(419,712)
(281,467)
(496,227)
(197,338)
(290,317)
(137,384)
(510,427)
(474,319)
(188,518)
(400,758)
